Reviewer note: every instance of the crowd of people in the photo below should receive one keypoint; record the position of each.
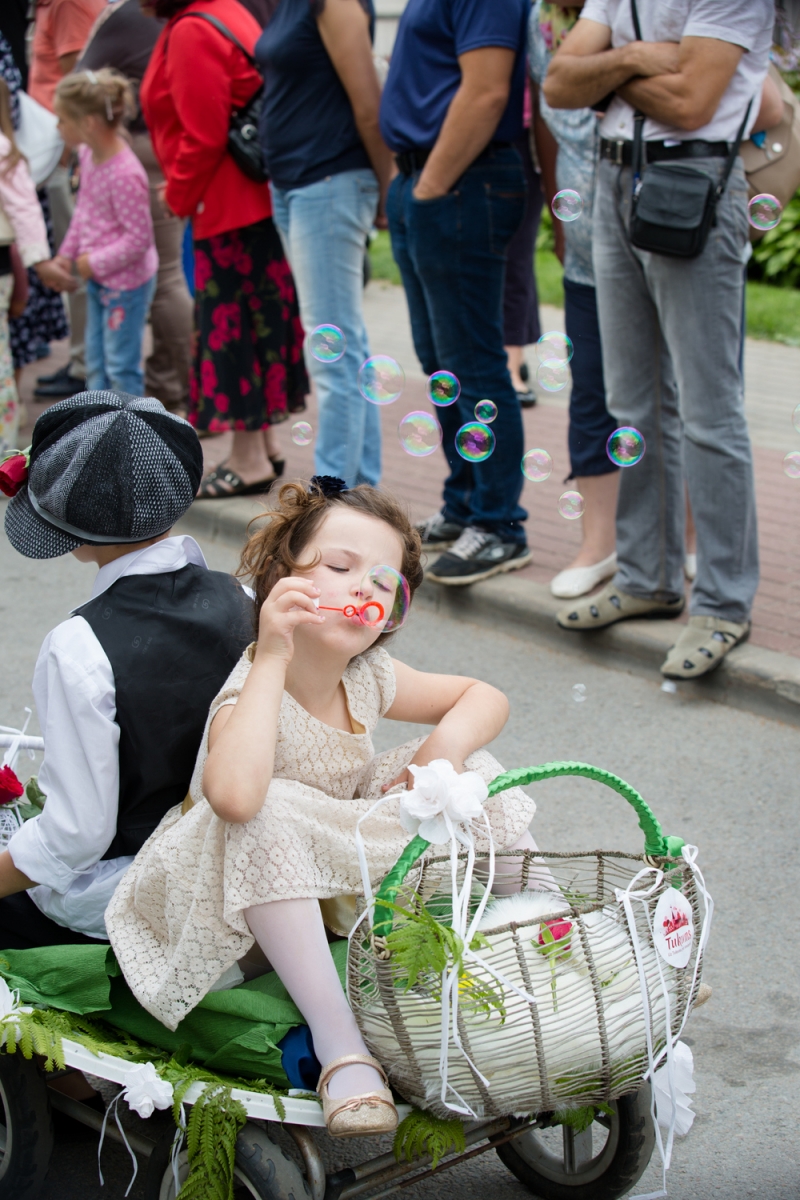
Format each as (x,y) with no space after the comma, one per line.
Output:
(486,111)
(202,857)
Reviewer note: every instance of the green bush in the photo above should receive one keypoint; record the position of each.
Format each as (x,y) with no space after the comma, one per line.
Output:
(776,256)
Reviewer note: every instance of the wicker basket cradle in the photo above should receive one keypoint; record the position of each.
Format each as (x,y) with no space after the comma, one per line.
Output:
(583,1041)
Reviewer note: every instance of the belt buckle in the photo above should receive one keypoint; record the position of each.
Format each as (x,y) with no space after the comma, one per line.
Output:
(619,145)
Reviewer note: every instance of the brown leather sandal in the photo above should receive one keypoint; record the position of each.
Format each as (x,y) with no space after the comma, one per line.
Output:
(357,1116)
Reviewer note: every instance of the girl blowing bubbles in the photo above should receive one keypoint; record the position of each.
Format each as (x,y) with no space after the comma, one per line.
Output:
(110,237)
(285,771)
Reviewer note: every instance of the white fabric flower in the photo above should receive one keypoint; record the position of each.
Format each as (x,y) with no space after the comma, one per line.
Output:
(439,790)
(145,1090)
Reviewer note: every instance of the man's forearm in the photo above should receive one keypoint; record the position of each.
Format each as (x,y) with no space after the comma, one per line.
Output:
(467,130)
(12,880)
(579,81)
(665,98)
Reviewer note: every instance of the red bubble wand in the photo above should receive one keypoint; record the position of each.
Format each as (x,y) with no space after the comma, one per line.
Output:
(360,611)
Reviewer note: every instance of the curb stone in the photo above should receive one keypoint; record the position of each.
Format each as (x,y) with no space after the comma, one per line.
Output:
(750,677)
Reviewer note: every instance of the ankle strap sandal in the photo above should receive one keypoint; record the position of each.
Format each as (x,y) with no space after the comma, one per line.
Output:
(357,1116)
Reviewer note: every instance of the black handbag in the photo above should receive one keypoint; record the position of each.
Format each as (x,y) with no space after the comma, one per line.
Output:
(673,207)
(243,143)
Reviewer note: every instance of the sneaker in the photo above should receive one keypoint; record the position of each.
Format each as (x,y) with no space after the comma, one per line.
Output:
(478,555)
(437,533)
(61,384)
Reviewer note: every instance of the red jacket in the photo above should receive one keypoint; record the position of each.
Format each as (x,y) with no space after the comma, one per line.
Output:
(194,78)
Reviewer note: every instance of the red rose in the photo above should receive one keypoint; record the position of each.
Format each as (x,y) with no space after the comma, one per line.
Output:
(202,270)
(558,931)
(275,386)
(10,786)
(13,474)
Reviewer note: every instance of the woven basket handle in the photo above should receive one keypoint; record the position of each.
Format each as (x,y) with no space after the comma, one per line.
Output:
(656,845)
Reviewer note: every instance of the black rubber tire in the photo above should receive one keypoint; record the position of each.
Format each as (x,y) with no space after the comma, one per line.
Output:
(634,1139)
(261,1166)
(26,1119)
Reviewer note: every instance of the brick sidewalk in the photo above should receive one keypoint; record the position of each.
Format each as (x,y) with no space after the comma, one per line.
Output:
(772,391)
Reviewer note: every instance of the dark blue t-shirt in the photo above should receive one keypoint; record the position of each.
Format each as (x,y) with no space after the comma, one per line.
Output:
(424,74)
(307,126)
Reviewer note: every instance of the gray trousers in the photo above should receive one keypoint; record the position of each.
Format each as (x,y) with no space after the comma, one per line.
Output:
(62,206)
(671,330)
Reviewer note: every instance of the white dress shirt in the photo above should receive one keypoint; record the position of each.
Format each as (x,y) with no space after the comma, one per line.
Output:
(73,686)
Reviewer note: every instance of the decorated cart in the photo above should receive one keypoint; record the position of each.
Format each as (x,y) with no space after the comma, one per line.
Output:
(522,1003)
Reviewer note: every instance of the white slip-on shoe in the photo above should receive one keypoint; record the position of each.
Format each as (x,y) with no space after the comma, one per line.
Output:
(690,566)
(577,581)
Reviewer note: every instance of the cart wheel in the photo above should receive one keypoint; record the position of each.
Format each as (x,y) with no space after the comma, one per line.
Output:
(262,1170)
(599,1164)
(26,1128)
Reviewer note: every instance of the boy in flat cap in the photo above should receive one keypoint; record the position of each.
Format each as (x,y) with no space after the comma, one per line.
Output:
(123,686)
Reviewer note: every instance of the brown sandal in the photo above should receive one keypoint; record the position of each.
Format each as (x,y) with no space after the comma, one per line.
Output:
(210,486)
(357,1116)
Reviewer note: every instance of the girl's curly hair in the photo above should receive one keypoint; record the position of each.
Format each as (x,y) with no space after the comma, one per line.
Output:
(275,550)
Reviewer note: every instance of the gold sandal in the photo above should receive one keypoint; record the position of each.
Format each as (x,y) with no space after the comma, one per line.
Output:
(357,1116)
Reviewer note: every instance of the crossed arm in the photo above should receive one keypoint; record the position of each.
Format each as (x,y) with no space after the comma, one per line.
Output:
(678,83)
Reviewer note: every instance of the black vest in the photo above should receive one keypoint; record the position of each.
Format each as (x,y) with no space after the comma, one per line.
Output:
(172,640)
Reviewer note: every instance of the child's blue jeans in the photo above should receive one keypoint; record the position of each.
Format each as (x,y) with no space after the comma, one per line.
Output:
(115,321)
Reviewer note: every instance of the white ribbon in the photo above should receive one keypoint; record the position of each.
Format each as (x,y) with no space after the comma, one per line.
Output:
(10,756)
(626,898)
(440,807)
(115,1105)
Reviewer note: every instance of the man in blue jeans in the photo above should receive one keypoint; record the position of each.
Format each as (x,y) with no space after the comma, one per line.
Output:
(451,107)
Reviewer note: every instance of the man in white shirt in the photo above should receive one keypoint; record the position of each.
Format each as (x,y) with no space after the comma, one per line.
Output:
(123,687)
(671,327)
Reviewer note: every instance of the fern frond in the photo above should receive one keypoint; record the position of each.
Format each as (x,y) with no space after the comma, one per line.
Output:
(579,1119)
(422,1133)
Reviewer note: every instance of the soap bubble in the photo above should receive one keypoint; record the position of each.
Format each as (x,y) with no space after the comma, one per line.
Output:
(626,446)
(554,345)
(381,379)
(486,411)
(302,433)
(420,434)
(475,441)
(537,465)
(570,505)
(579,692)
(796,418)
(567,205)
(791,464)
(552,375)
(327,343)
(386,598)
(764,212)
(443,388)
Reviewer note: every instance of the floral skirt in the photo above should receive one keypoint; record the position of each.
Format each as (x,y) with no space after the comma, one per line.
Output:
(248,369)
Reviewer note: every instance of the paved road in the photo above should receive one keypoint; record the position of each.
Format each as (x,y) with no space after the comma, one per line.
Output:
(723,779)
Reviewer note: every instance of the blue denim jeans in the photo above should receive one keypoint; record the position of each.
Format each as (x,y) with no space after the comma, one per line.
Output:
(451,253)
(590,423)
(324,229)
(115,319)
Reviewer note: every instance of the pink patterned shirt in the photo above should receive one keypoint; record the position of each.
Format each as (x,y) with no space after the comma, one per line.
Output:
(112,222)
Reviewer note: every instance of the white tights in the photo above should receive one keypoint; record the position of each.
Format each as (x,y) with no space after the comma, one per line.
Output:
(292,936)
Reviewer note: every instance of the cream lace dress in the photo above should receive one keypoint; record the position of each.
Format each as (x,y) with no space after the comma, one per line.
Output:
(176,921)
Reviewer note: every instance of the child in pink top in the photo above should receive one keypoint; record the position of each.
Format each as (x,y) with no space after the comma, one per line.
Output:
(110,237)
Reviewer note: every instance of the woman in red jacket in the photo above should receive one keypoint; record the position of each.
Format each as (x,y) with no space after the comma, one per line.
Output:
(248,363)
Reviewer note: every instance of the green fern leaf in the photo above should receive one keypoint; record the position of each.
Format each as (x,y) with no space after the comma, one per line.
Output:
(422,1133)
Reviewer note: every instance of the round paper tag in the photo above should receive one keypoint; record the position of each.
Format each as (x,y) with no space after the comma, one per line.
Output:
(673,928)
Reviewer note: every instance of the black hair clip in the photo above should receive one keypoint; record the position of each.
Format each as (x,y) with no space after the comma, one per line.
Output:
(329,485)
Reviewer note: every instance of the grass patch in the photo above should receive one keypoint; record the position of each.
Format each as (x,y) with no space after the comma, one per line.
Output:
(773,313)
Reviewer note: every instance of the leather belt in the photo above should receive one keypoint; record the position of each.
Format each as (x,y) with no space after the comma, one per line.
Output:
(619,151)
(411,161)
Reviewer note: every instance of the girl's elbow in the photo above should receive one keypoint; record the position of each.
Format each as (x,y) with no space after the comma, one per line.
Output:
(235,809)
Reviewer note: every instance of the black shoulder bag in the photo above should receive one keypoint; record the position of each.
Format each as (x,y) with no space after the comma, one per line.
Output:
(243,144)
(674,205)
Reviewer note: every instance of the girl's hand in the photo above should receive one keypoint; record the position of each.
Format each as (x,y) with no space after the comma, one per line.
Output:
(289,604)
(428,751)
(54,274)
(82,266)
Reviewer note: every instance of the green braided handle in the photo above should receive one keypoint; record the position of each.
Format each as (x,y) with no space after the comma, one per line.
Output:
(656,845)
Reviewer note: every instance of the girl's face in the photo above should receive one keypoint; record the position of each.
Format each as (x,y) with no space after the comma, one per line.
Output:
(75,131)
(348,545)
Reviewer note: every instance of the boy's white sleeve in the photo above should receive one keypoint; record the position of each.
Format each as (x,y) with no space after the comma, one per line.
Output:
(73,686)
